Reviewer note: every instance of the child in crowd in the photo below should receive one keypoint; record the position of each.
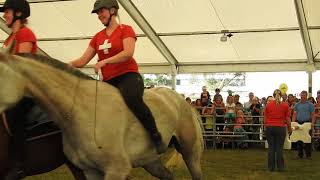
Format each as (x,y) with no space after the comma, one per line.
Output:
(205,97)
(230,111)
(255,110)
(219,110)
(198,105)
(207,117)
(238,129)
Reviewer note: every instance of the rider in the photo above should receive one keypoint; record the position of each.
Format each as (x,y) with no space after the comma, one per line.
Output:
(15,15)
(115,47)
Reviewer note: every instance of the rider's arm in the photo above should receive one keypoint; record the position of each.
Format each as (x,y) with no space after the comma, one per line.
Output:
(84,59)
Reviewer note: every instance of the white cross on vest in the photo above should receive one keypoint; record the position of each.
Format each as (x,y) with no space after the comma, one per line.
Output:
(105,46)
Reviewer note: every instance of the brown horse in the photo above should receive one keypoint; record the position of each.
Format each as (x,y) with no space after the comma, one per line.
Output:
(43,153)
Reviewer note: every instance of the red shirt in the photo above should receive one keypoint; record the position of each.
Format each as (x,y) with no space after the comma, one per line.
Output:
(108,46)
(239,121)
(23,35)
(276,115)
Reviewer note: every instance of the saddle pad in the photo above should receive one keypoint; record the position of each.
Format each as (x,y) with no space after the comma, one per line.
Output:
(300,132)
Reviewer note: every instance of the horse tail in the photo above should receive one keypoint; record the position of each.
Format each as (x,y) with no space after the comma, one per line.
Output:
(198,124)
(190,139)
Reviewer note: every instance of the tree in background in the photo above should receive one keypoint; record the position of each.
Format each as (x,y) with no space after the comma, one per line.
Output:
(157,80)
(223,80)
(212,81)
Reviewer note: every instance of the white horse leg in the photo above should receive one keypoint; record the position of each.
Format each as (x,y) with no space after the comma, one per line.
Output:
(157,169)
(93,174)
(193,163)
(191,151)
(118,169)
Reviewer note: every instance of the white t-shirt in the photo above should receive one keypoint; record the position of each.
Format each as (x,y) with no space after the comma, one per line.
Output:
(247,105)
(230,107)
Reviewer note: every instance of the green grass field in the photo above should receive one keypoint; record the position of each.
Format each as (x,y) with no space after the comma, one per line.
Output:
(227,164)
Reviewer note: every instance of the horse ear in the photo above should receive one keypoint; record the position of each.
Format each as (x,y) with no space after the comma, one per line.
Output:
(9,49)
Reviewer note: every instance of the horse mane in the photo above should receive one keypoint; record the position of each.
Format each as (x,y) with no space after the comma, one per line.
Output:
(56,64)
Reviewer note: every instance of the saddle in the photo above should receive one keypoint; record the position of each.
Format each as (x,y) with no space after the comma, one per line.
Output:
(39,123)
(35,123)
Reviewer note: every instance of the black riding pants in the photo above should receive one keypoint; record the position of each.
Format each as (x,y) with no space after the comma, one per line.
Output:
(131,88)
(275,138)
(16,117)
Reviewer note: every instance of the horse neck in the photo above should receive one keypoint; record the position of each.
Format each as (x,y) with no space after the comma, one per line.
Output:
(52,88)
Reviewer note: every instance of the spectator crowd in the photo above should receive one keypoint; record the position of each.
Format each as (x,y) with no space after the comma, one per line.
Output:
(233,116)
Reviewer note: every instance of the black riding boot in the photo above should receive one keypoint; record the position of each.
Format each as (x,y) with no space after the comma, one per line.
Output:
(16,119)
(147,120)
(131,88)
(17,155)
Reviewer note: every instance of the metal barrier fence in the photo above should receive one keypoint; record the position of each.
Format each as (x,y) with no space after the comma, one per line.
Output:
(254,132)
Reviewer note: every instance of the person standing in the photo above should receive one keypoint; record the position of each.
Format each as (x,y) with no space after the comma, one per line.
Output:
(249,103)
(217,93)
(205,97)
(276,120)
(303,113)
(255,111)
(115,46)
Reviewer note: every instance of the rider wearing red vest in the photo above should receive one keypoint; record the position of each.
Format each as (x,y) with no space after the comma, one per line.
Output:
(115,47)
(15,15)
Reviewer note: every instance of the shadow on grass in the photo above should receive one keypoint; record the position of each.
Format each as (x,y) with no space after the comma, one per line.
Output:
(227,164)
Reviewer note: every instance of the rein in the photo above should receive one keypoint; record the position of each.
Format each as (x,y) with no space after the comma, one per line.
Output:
(95,114)
(5,123)
(95,108)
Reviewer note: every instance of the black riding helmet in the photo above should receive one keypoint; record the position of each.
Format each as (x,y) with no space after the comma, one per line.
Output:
(17,6)
(104,4)
(108,4)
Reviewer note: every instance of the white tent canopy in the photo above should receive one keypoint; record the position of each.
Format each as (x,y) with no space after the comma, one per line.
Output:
(183,36)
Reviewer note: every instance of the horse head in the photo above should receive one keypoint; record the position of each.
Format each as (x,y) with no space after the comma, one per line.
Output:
(12,84)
